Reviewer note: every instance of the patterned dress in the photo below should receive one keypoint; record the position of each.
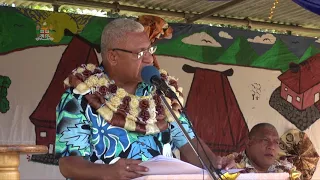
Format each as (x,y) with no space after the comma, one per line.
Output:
(81,131)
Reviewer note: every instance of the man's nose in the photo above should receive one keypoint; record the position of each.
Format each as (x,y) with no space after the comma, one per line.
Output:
(148,58)
(272,145)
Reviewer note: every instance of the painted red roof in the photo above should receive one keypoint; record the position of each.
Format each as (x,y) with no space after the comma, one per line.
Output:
(215,113)
(78,52)
(304,79)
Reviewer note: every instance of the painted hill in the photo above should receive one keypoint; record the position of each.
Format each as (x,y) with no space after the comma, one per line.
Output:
(175,47)
(312,50)
(92,31)
(18,31)
(278,57)
(240,53)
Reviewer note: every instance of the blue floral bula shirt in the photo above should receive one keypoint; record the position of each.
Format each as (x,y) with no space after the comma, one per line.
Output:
(81,131)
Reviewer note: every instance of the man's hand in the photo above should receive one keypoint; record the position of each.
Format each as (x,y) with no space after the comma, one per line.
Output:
(217,161)
(224,162)
(125,169)
(77,168)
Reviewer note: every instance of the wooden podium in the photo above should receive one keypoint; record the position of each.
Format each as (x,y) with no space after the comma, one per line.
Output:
(10,159)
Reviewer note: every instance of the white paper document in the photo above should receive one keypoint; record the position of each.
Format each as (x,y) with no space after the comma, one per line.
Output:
(162,165)
(166,168)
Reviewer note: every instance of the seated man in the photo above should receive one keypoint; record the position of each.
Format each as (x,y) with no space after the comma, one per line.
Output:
(260,155)
(109,121)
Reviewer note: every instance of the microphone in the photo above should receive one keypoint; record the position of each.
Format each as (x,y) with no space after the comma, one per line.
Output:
(151,76)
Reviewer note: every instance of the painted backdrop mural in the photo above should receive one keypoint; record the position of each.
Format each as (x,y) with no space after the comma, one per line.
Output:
(232,79)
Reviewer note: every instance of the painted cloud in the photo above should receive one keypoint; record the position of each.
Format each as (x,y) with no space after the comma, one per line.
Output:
(264,39)
(201,39)
(318,40)
(225,35)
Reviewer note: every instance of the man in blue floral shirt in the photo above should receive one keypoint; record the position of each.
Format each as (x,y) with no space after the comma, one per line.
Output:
(109,121)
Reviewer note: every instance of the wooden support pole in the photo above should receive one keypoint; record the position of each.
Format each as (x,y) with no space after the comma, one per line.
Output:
(212,11)
(56,7)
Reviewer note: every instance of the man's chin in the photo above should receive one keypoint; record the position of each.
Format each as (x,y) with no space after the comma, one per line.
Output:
(269,160)
(139,79)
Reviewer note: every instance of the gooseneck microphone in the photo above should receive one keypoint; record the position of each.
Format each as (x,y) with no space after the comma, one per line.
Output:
(151,76)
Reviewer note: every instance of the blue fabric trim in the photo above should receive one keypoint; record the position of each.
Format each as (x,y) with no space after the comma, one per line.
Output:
(311,5)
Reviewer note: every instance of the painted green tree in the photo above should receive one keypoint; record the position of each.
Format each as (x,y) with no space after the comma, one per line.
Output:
(5,82)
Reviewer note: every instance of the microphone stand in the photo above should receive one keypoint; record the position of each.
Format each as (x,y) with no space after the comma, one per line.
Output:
(212,175)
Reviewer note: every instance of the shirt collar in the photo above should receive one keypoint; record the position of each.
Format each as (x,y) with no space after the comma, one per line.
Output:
(245,163)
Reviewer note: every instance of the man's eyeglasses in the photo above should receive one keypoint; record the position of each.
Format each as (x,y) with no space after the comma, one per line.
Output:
(140,54)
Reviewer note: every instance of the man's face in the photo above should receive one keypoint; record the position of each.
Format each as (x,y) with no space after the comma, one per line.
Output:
(263,148)
(129,66)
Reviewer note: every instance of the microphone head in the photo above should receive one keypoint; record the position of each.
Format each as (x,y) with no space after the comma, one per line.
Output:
(148,72)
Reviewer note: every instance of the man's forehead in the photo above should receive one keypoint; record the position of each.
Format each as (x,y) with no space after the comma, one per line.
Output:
(268,132)
(137,34)
(138,39)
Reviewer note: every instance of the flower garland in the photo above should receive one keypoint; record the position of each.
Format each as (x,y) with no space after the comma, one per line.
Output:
(144,114)
(280,166)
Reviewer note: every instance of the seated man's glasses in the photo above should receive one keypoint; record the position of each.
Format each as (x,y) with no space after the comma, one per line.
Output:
(140,54)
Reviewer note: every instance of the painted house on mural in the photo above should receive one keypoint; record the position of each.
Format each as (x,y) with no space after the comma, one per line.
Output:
(300,85)
(78,52)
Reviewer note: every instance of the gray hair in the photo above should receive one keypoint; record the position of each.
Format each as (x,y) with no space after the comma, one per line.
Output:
(115,31)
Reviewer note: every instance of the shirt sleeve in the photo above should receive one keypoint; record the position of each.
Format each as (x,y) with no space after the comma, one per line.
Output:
(72,127)
(177,135)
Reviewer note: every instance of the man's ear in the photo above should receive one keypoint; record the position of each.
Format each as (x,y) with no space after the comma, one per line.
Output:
(112,57)
(248,142)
